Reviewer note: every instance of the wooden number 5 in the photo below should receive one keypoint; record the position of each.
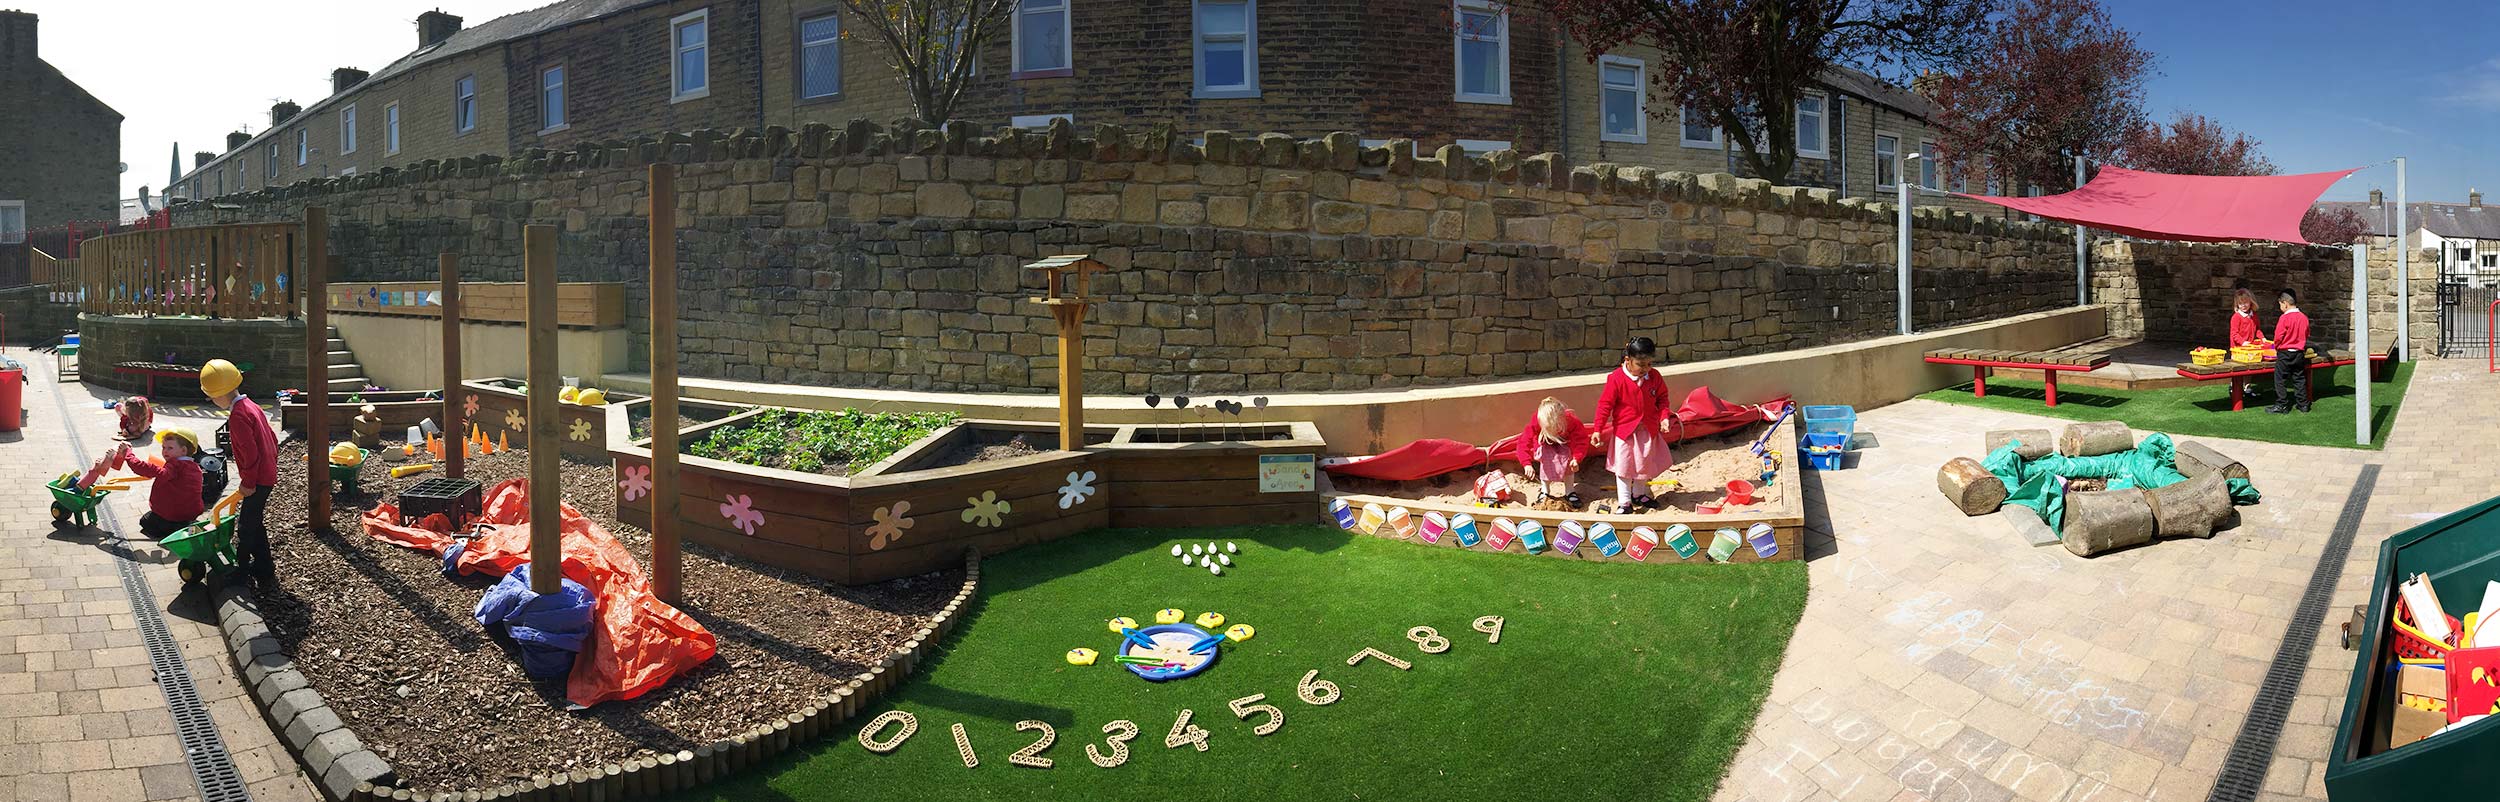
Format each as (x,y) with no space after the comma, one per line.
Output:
(1244,706)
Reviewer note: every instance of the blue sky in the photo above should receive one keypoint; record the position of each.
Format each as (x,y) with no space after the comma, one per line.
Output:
(2331,85)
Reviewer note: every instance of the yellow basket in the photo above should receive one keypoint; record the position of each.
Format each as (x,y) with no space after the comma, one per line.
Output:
(2205,356)
(2245,354)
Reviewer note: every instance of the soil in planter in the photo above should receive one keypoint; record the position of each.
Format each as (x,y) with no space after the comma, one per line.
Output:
(642,423)
(985,445)
(1702,470)
(391,645)
(830,443)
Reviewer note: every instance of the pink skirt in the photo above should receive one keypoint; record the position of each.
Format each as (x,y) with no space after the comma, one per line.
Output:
(1553,462)
(1640,457)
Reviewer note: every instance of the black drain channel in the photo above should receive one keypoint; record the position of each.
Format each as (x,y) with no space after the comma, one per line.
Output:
(2252,751)
(211,767)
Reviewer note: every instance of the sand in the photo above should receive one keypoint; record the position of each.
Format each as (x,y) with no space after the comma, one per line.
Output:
(1702,470)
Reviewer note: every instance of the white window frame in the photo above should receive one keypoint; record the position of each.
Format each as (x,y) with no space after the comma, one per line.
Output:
(303,146)
(1249,52)
(270,162)
(347,171)
(565,119)
(1640,99)
(1039,120)
(798,73)
(347,129)
(677,56)
(1458,54)
(1880,136)
(390,129)
(1717,140)
(1067,42)
(464,105)
(1822,124)
(1479,147)
(9,236)
(1930,174)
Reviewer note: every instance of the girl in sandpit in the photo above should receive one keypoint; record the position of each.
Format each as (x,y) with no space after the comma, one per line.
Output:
(1630,411)
(1551,449)
(2244,319)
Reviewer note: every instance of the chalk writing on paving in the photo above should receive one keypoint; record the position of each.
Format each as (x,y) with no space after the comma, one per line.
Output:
(2043,680)
(1927,774)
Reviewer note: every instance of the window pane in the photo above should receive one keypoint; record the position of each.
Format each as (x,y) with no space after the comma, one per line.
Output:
(1622,111)
(690,35)
(690,75)
(1222,18)
(1927,172)
(820,29)
(554,100)
(1697,127)
(1034,4)
(1479,24)
(1623,75)
(1479,67)
(1887,160)
(820,70)
(1039,41)
(1224,64)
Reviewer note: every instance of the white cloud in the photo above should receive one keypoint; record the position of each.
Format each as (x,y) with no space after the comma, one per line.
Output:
(2478,86)
(2382,126)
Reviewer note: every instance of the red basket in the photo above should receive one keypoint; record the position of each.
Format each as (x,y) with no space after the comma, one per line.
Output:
(2411,642)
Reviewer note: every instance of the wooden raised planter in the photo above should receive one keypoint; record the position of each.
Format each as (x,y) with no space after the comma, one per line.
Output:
(908,515)
(1786,516)
(398,409)
(502,410)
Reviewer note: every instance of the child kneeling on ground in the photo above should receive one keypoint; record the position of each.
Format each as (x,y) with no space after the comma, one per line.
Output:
(1551,450)
(175,500)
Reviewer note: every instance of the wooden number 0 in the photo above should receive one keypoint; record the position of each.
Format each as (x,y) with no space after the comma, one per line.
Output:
(1121,732)
(887,746)
(1031,756)
(1490,625)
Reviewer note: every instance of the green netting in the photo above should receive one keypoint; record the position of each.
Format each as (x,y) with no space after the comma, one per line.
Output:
(2040,484)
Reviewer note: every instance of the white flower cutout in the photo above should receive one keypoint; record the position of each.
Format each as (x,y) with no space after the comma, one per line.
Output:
(987,509)
(581,431)
(891,521)
(637,482)
(512,418)
(1079,488)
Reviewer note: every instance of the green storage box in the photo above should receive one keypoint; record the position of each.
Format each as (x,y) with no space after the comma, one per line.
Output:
(2460,552)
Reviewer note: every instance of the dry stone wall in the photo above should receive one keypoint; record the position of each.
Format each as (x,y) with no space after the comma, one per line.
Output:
(890,257)
(2181,292)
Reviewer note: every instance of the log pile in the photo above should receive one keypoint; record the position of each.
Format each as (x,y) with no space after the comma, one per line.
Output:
(2035,442)
(2099,521)
(1970,487)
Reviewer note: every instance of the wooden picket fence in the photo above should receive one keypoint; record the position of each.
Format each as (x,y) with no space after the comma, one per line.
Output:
(226,271)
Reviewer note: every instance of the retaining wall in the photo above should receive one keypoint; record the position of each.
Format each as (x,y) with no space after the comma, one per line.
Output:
(272,348)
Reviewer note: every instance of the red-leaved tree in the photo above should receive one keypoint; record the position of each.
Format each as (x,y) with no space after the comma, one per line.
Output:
(2055,79)
(2194,144)
(2338,226)
(1732,59)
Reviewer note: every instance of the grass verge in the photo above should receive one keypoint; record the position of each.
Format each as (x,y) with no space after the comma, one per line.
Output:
(2205,410)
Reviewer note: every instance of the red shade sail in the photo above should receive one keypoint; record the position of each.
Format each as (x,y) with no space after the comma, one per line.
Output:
(2191,208)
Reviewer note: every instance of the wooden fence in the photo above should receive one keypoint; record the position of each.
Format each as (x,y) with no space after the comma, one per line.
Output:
(224,271)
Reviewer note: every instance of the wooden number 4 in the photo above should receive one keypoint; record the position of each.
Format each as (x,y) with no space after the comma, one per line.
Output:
(1244,706)
(1379,655)
(1184,732)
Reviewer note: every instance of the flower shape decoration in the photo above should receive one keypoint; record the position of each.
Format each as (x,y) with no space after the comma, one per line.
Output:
(637,482)
(469,409)
(512,418)
(741,512)
(581,431)
(987,509)
(1079,488)
(891,521)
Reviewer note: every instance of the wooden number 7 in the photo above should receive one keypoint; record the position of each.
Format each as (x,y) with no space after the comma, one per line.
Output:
(1377,654)
(1244,706)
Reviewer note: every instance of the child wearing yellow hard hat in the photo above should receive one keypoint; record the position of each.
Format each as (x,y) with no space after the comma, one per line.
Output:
(255,464)
(174,502)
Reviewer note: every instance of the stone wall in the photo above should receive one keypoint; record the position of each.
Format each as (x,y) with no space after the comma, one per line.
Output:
(270,351)
(31,318)
(2181,292)
(876,258)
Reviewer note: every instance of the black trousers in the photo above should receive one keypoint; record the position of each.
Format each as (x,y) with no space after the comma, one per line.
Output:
(251,536)
(2291,379)
(156,528)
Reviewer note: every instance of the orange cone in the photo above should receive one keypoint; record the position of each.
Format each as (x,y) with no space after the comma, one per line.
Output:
(504,442)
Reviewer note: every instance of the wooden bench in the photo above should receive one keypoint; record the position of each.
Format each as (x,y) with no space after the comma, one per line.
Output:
(2240,372)
(2049,363)
(154,369)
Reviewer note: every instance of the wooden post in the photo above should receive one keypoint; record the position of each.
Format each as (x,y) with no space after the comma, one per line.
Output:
(665,558)
(545,418)
(1065,295)
(455,458)
(316,371)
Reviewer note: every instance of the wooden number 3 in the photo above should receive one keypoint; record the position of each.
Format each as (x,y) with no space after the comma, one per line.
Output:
(1121,732)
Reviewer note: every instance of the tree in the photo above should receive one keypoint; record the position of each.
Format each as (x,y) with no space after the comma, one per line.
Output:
(1731,59)
(932,45)
(2194,145)
(2055,79)
(2338,226)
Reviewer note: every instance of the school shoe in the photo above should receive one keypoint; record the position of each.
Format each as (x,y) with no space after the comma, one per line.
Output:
(2279,410)
(2303,407)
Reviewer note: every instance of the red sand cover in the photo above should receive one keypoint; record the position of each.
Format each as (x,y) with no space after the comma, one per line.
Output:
(642,641)
(1703,414)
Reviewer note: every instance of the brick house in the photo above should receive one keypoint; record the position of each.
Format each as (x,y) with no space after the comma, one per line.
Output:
(60,147)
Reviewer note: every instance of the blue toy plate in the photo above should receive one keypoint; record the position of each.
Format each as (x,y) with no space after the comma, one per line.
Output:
(1180,636)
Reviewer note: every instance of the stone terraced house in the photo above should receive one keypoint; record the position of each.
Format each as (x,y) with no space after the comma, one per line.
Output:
(1482,74)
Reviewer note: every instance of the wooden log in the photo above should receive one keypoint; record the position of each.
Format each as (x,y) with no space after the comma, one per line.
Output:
(2094,438)
(2037,443)
(2193,508)
(2098,522)
(1971,488)
(2198,459)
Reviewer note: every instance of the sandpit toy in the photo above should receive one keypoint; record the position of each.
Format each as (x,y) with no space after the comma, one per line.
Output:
(1081,657)
(1169,615)
(1166,652)
(347,464)
(206,545)
(1240,632)
(1210,620)
(1122,623)
(410,470)
(1739,493)
(74,505)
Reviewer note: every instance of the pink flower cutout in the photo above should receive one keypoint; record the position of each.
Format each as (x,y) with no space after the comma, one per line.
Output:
(891,521)
(469,410)
(637,482)
(742,513)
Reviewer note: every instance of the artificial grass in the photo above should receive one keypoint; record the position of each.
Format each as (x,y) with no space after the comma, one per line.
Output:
(2205,410)
(1611,680)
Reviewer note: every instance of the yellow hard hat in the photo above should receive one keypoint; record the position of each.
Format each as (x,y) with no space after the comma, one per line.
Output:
(188,439)
(591,398)
(219,377)
(566,395)
(347,454)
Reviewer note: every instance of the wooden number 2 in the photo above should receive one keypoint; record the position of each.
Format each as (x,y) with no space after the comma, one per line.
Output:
(1031,756)
(1121,732)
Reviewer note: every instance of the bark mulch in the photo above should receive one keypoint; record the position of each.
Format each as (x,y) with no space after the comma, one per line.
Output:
(392,646)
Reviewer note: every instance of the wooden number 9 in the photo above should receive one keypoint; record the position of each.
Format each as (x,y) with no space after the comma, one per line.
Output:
(1490,625)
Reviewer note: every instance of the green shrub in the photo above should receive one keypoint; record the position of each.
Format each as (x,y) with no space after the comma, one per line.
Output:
(809,441)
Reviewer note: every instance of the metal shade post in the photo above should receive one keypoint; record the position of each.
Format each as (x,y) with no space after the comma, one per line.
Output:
(2361,341)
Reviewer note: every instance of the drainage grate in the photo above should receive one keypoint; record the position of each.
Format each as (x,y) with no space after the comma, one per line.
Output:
(2252,751)
(211,767)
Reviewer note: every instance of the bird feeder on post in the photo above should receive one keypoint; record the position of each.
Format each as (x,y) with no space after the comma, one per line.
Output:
(1067,301)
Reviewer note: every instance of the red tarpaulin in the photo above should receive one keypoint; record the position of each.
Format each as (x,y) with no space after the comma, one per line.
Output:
(2191,208)
(1702,415)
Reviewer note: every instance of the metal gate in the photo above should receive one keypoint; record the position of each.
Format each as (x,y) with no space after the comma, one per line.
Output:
(2467,287)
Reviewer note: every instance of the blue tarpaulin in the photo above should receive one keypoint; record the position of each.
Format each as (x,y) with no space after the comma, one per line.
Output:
(551,629)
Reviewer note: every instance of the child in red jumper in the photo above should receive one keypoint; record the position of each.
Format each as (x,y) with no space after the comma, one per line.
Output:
(2244,319)
(255,465)
(175,500)
(2291,356)
(1632,410)
(1551,449)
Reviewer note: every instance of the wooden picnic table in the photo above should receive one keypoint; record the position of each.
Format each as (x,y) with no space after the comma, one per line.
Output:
(2049,363)
(2240,372)
(154,369)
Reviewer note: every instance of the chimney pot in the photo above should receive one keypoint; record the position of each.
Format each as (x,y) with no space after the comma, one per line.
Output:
(236,140)
(200,159)
(17,37)
(283,111)
(2473,199)
(435,26)
(345,78)
(2377,197)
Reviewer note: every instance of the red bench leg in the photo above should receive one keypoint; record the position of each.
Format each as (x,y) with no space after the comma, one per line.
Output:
(1979,381)
(2237,382)
(2052,380)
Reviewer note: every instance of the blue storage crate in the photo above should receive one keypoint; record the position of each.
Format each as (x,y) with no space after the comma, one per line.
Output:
(1842,420)
(1826,461)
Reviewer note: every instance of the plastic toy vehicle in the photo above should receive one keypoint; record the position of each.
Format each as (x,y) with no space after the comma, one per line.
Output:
(206,545)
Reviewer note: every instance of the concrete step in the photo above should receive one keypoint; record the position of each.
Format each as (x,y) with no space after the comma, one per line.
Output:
(341,357)
(350,370)
(337,344)
(347,385)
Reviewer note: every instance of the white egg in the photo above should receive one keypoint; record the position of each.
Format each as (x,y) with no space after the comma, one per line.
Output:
(1176,549)
(1232,547)
(1217,570)
(1210,547)
(1193,549)
(1185,559)
(1227,558)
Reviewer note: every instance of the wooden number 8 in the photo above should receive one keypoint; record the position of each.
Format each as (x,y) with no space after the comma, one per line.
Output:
(1121,732)
(1428,640)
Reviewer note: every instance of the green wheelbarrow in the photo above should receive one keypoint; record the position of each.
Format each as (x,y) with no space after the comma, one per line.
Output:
(74,506)
(206,545)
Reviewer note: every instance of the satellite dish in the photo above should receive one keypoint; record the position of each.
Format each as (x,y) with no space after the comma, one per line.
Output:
(125,167)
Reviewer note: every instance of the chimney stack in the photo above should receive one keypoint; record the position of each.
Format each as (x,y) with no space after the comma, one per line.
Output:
(283,111)
(435,26)
(2473,199)
(236,140)
(345,78)
(201,159)
(2377,197)
(17,37)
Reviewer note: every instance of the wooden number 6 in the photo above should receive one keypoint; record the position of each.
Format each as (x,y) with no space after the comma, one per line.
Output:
(1315,691)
